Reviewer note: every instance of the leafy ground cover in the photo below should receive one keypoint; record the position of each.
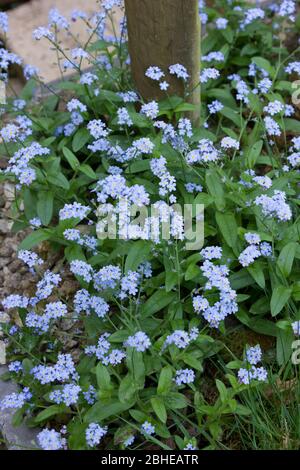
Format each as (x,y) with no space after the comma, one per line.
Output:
(159,346)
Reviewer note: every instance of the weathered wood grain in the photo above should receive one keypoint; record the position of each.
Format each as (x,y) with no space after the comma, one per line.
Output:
(164,32)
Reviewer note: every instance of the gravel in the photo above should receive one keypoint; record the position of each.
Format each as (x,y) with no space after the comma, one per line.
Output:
(16,438)
(15,278)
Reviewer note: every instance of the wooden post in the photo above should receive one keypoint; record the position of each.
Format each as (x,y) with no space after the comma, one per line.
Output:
(162,33)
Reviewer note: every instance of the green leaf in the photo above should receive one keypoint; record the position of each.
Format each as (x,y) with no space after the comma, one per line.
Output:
(241,279)
(138,166)
(71,158)
(280,297)
(291,125)
(161,431)
(171,103)
(138,253)
(202,133)
(137,119)
(283,325)
(103,377)
(165,380)
(264,64)
(242,410)
(286,258)
(249,49)
(5,377)
(192,361)
(296,291)
(127,389)
(121,434)
(203,198)
(174,400)
(253,153)
(51,411)
(255,104)
(35,238)
(184,107)
(81,137)
(17,418)
(74,252)
(224,95)
(284,85)
(88,171)
(228,34)
(159,408)
(77,437)
(191,272)
(108,95)
(222,390)
(262,326)
(159,300)
(171,280)
(261,306)
(284,346)
(28,90)
(68,85)
(215,188)
(257,273)
(59,180)
(30,203)
(215,430)
(45,206)
(99,45)
(136,366)
(228,227)
(230,132)
(233,116)
(119,336)
(208,42)
(234,365)
(138,415)
(102,410)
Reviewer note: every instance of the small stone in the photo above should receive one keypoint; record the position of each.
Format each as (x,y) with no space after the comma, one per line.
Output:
(76,353)
(21,437)
(2,353)
(3,261)
(6,250)
(9,191)
(4,317)
(3,163)
(6,271)
(66,324)
(15,266)
(5,226)
(69,287)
